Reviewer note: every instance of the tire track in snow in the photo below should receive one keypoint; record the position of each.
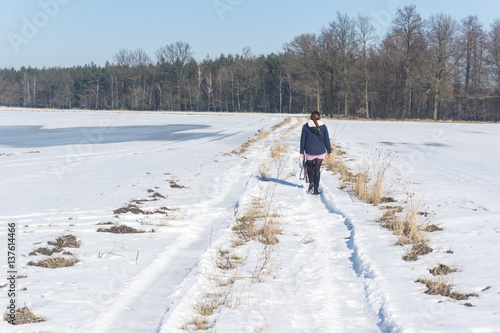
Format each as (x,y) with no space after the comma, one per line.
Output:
(316,288)
(316,276)
(176,314)
(140,290)
(365,270)
(182,253)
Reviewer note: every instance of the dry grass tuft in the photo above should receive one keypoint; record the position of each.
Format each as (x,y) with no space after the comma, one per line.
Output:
(281,124)
(174,184)
(404,224)
(129,209)
(443,288)
(155,194)
(264,171)
(54,262)
(245,226)
(256,224)
(121,229)
(225,262)
(369,182)
(436,287)
(336,164)
(261,135)
(267,234)
(63,241)
(66,241)
(23,316)
(198,324)
(46,251)
(397,209)
(406,227)
(442,269)
(277,149)
(388,218)
(207,305)
(432,228)
(419,249)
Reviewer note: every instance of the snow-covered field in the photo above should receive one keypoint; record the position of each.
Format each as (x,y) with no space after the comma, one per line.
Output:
(334,269)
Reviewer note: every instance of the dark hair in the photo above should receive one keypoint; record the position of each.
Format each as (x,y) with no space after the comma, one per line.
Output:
(315,116)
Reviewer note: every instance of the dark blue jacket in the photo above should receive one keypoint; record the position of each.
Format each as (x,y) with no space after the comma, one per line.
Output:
(311,142)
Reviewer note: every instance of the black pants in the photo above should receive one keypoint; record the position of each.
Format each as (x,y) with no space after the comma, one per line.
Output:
(313,172)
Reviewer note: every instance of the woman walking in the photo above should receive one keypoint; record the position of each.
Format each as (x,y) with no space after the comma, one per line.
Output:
(313,143)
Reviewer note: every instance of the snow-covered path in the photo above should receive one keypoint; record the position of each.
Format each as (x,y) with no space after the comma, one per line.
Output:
(334,268)
(316,283)
(315,286)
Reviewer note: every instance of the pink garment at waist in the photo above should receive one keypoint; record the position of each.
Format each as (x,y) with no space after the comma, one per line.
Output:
(312,157)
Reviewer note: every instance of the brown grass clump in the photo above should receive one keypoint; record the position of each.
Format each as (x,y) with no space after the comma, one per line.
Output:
(174,184)
(129,209)
(46,251)
(277,149)
(261,135)
(387,200)
(360,185)
(66,241)
(281,124)
(443,288)
(207,305)
(368,184)
(432,228)
(436,287)
(267,234)
(63,241)
(246,224)
(336,165)
(155,194)
(198,324)
(419,249)
(256,224)
(224,261)
(442,269)
(121,229)
(406,227)
(54,262)
(23,316)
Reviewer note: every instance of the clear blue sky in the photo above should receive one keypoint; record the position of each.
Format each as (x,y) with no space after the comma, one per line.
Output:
(47,33)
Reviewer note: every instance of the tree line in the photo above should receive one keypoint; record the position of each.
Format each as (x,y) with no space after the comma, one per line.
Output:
(438,68)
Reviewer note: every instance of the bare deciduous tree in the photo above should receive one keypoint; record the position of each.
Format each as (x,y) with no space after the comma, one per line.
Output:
(342,32)
(445,52)
(306,51)
(366,35)
(408,34)
(177,55)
